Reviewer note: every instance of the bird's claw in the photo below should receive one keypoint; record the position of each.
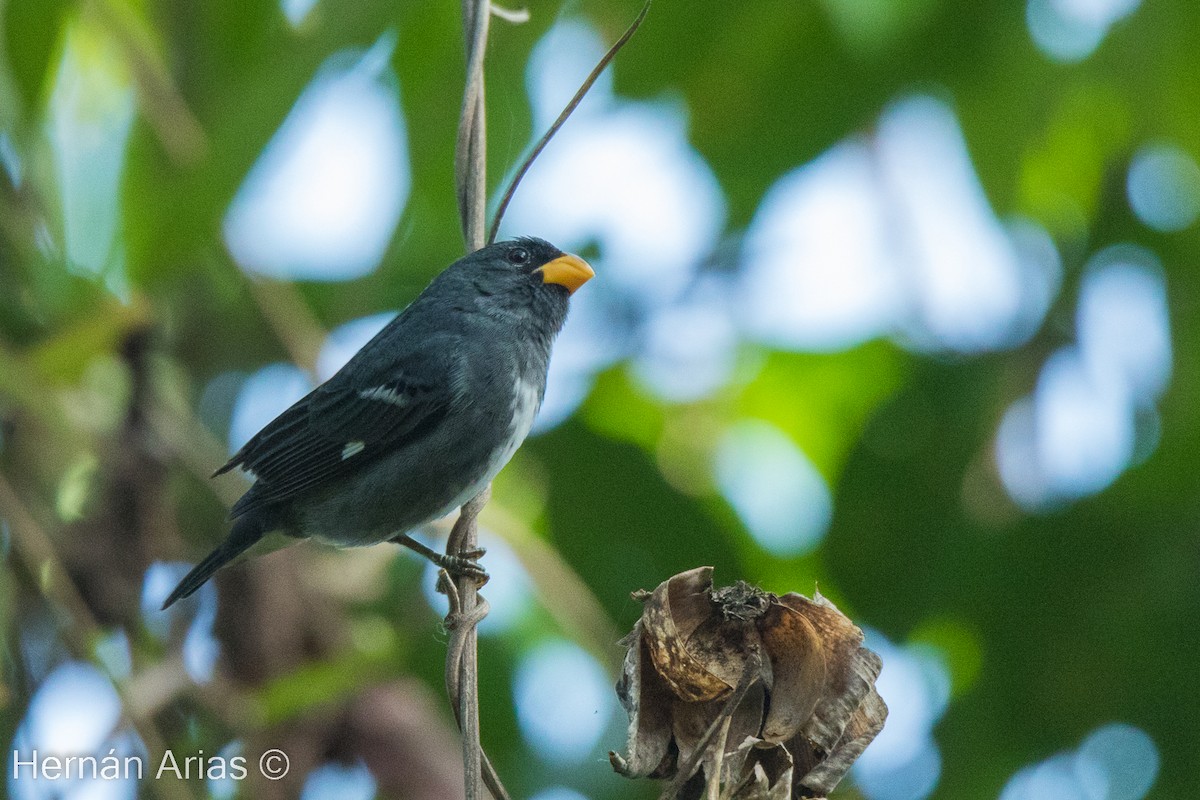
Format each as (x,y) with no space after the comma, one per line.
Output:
(464,565)
(461,565)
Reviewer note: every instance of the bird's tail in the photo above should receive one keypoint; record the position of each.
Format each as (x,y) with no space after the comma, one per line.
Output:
(247,530)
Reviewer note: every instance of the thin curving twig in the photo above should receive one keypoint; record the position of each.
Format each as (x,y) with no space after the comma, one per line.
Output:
(562,118)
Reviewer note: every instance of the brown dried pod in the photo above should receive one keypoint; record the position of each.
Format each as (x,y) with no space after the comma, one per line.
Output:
(742,694)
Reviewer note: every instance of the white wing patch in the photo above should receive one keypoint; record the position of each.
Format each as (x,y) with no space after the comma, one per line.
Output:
(385,394)
(352,449)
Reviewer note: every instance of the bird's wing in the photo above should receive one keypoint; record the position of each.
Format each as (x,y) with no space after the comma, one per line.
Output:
(341,426)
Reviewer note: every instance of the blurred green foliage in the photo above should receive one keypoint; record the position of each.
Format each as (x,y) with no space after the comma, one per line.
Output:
(1050,625)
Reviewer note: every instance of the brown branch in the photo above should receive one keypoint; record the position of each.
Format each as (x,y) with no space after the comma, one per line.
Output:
(177,128)
(34,547)
(562,118)
(291,320)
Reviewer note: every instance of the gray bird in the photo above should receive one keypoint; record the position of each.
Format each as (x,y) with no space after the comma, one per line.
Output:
(420,420)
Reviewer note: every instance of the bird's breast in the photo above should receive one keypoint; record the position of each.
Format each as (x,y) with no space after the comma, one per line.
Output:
(526,399)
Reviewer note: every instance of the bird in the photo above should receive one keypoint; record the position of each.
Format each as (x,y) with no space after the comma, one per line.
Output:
(417,422)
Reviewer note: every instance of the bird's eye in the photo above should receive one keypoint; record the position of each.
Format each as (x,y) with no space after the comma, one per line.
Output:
(518,256)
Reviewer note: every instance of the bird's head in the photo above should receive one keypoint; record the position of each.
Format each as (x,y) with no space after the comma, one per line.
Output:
(526,267)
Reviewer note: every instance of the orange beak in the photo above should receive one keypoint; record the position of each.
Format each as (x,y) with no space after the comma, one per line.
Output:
(567,270)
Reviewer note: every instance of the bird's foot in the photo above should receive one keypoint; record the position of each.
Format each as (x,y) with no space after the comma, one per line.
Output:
(464,565)
(461,565)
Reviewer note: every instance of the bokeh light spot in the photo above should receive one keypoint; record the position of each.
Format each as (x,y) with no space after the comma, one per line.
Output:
(1125,756)
(818,271)
(1164,187)
(226,788)
(1017,458)
(346,340)
(323,200)
(664,228)
(263,396)
(904,762)
(92,107)
(596,335)
(198,613)
(1084,427)
(1071,30)
(564,701)
(296,11)
(689,347)
(1053,779)
(652,239)
(200,647)
(339,782)
(1122,322)
(1093,411)
(558,65)
(558,793)
(74,710)
(912,779)
(776,491)
(1040,268)
(1115,762)
(965,270)
(894,235)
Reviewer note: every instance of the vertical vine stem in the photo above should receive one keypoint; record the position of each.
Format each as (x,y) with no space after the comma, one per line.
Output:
(470,152)
(467,608)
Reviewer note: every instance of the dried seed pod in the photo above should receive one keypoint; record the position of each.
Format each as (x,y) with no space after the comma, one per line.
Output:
(771,698)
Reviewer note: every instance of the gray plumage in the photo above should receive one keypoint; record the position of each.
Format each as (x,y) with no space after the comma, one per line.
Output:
(419,420)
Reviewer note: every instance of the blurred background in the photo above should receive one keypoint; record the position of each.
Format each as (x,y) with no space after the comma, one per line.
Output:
(895,298)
